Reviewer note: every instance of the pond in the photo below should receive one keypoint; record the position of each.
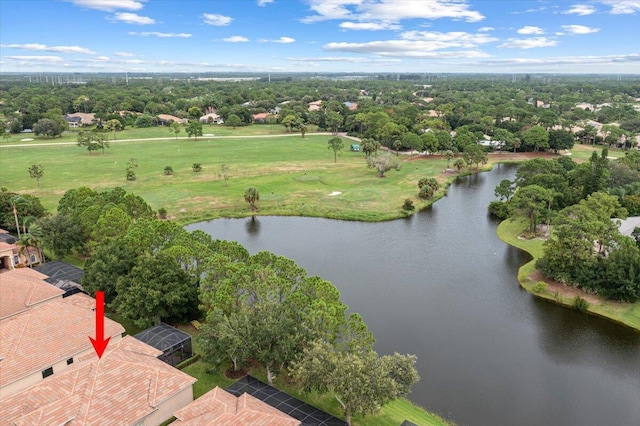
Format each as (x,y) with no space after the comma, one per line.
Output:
(441,285)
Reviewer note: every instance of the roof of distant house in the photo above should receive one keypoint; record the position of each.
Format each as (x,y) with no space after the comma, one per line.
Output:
(260,116)
(22,288)
(221,408)
(85,118)
(62,326)
(168,117)
(629,224)
(127,384)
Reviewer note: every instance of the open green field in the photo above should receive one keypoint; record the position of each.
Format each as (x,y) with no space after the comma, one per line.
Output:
(624,313)
(295,176)
(158,132)
(581,152)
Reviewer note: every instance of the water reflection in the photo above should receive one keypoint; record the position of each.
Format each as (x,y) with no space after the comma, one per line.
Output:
(253,226)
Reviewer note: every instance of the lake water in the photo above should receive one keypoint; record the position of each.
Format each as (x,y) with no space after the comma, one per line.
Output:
(441,285)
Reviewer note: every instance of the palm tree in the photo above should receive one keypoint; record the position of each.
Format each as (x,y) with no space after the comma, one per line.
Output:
(16,201)
(252,196)
(27,241)
(35,231)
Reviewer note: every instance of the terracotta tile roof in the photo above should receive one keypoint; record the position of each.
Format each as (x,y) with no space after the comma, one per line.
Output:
(124,386)
(62,326)
(6,246)
(22,288)
(220,408)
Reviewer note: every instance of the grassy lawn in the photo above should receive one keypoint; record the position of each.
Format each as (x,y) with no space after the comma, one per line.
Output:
(158,132)
(295,176)
(624,313)
(582,153)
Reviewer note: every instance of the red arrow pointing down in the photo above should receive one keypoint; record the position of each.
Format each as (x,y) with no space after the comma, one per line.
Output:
(99,343)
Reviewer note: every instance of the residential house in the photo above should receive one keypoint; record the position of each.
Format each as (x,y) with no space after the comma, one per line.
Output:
(78,119)
(211,118)
(260,118)
(221,408)
(15,255)
(23,289)
(167,119)
(127,386)
(315,105)
(351,105)
(46,338)
(62,275)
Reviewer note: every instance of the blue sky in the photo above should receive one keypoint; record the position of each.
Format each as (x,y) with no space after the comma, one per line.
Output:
(599,36)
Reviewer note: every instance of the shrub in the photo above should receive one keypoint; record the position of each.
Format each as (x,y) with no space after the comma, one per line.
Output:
(580,304)
(539,287)
(408,205)
(168,170)
(162,213)
(197,166)
(131,175)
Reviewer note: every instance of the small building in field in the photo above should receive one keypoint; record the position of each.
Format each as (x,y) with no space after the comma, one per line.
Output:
(175,344)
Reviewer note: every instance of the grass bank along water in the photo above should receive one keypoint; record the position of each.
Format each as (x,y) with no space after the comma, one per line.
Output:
(535,283)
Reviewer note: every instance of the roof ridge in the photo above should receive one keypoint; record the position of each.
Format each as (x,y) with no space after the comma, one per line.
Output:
(88,392)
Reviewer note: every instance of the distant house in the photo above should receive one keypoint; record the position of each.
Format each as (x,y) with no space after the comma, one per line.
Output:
(351,105)
(315,105)
(78,119)
(14,255)
(628,225)
(211,118)
(166,119)
(260,118)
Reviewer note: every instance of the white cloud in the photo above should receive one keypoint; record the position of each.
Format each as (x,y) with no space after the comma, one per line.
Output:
(391,10)
(485,29)
(530,30)
(132,18)
(160,35)
(538,9)
(109,5)
(35,58)
(123,54)
(235,39)
(569,60)
(45,48)
(421,44)
(348,59)
(283,40)
(579,29)
(622,7)
(369,26)
(528,43)
(264,2)
(580,9)
(217,20)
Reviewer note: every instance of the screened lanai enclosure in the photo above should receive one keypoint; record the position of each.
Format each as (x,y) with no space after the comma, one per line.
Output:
(175,344)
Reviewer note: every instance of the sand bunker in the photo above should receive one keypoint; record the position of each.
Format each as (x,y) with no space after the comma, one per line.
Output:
(334,193)
(26,140)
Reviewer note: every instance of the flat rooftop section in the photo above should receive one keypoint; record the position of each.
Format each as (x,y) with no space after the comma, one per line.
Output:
(307,414)
(629,224)
(58,270)
(163,336)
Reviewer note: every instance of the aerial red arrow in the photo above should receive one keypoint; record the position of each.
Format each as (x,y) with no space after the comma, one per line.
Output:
(99,343)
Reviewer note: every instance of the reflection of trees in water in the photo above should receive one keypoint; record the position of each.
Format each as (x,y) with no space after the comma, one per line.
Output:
(567,335)
(253,226)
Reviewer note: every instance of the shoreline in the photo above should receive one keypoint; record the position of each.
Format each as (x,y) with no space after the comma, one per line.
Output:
(529,278)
